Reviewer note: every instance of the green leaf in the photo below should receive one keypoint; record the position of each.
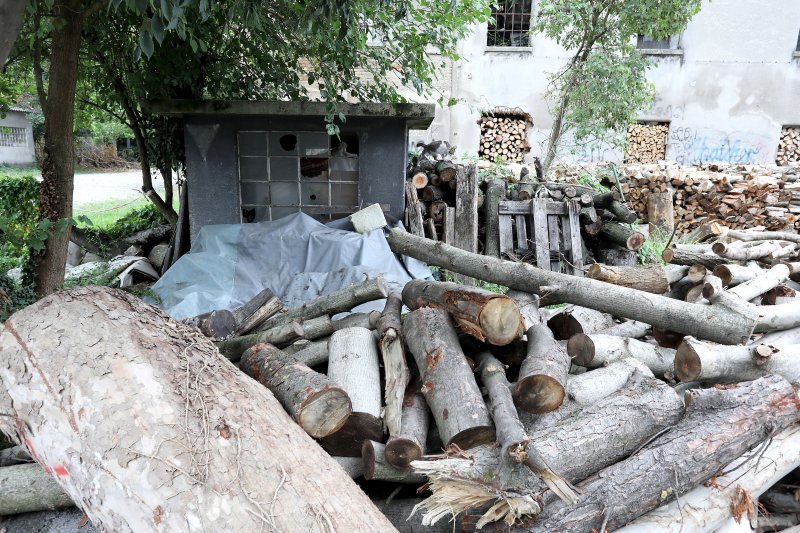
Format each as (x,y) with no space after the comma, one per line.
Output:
(141,5)
(157,28)
(342,118)
(146,43)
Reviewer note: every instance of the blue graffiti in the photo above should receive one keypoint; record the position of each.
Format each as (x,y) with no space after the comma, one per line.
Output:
(726,150)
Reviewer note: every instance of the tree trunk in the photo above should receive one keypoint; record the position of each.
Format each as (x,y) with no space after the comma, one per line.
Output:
(253,313)
(701,361)
(762,283)
(28,488)
(314,352)
(332,303)
(734,274)
(543,373)
(466,230)
(447,380)
(648,278)
(390,331)
(660,213)
(310,329)
(409,444)
(590,387)
(742,252)
(720,426)
(574,319)
(716,323)
(193,424)
(594,351)
(315,401)
(622,235)
(377,466)
(12,12)
(708,508)
(353,365)
(58,156)
(678,256)
(613,256)
(630,329)
(485,315)
(495,192)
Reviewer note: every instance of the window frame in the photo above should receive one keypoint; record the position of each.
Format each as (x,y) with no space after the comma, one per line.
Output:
(13,136)
(492,30)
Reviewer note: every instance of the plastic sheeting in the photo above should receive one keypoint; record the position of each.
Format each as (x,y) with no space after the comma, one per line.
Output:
(297,257)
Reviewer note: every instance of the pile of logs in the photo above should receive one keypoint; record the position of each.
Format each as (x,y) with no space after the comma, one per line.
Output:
(504,135)
(647,143)
(789,146)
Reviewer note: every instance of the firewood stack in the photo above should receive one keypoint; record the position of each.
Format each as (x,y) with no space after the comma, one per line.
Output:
(504,135)
(789,146)
(647,143)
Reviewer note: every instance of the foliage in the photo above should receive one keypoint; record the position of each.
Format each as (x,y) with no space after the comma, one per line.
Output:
(20,230)
(603,86)
(143,217)
(498,170)
(493,287)
(13,297)
(592,181)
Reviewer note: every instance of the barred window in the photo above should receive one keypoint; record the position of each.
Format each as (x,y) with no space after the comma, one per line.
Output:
(645,42)
(13,137)
(510,23)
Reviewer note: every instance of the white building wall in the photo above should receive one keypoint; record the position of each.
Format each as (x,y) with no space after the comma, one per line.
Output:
(18,155)
(736,83)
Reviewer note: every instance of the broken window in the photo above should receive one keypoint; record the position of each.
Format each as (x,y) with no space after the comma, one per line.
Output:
(510,23)
(645,42)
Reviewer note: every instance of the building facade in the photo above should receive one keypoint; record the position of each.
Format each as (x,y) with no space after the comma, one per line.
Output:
(728,87)
(16,138)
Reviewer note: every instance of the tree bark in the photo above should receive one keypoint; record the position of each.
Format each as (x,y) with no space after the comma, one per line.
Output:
(613,256)
(630,329)
(734,274)
(761,283)
(377,466)
(594,351)
(716,323)
(590,387)
(648,278)
(447,381)
(310,329)
(777,317)
(28,488)
(742,252)
(485,315)
(574,319)
(622,235)
(313,354)
(543,373)
(58,151)
(193,423)
(660,213)
(466,230)
(720,426)
(701,361)
(253,313)
(12,12)
(390,331)
(218,324)
(315,401)
(678,256)
(528,307)
(675,272)
(331,303)
(495,191)
(409,444)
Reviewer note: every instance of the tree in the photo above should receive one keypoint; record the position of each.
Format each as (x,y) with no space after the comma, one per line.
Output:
(280,49)
(603,86)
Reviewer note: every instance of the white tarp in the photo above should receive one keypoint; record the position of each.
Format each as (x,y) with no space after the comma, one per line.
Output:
(297,257)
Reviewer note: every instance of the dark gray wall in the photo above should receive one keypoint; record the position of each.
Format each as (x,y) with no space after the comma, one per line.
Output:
(212,167)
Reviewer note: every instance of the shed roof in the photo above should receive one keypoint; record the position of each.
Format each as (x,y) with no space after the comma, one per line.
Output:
(419,116)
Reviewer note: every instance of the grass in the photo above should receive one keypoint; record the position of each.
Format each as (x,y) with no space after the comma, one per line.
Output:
(33,170)
(105,213)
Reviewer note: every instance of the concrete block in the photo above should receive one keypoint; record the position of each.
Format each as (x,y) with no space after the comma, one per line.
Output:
(368,219)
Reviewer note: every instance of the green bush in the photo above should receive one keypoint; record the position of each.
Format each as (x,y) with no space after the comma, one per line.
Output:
(13,296)
(19,213)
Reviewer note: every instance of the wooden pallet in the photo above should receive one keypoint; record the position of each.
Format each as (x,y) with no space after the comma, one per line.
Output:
(544,231)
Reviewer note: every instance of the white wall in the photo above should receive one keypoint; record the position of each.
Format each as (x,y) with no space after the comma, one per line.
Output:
(18,155)
(726,97)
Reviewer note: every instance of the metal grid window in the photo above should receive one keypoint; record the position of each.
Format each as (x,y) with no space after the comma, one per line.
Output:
(510,23)
(13,137)
(645,42)
(283,172)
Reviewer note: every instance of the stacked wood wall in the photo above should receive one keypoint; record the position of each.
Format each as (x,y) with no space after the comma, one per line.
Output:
(504,135)
(647,143)
(789,146)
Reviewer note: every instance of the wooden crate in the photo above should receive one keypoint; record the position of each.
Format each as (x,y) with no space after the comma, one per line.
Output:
(544,231)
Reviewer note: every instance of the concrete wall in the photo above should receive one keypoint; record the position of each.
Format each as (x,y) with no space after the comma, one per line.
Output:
(18,155)
(726,96)
(212,165)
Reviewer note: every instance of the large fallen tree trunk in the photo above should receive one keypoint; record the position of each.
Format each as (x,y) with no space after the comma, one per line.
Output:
(721,424)
(81,364)
(486,315)
(712,322)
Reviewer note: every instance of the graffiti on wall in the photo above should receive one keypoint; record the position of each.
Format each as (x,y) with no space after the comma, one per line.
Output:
(690,146)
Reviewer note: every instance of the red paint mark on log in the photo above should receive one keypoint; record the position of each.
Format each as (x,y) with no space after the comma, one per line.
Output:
(434,358)
(158,514)
(60,471)
(223,429)
(83,521)
(427,387)
(446,414)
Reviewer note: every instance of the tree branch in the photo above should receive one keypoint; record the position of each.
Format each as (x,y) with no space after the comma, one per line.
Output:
(37,59)
(105,109)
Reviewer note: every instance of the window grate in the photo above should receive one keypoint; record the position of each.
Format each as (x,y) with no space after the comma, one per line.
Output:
(510,23)
(645,42)
(13,137)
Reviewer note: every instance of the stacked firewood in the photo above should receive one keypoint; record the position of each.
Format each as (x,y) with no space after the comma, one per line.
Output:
(789,146)
(504,135)
(647,143)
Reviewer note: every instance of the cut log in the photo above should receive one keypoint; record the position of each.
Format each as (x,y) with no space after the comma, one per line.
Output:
(193,423)
(312,353)
(219,324)
(696,273)
(629,329)
(390,333)
(660,213)
(253,313)
(722,231)
(575,319)
(27,488)
(409,444)
(734,274)
(332,303)
(495,191)
(781,294)
(353,365)
(419,180)
(446,170)
(622,235)
(648,278)
(376,466)
(466,231)
(414,210)
(716,323)
(737,252)
(762,283)
(613,256)
(675,272)
(354,466)
(777,317)
(590,387)
(315,401)
(723,423)
(593,351)
(432,193)
(14,455)
(543,373)
(528,307)
(702,361)
(447,381)
(678,256)
(311,329)
(485,315)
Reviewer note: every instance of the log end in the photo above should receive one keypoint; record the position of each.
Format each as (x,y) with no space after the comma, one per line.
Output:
(580,348)
(368,456)
(501,321)
(668,255)
(401,451)
(724,274)
(687,363)
(718,248)
(635,241)
(539,394)
(324,412)
(474,436)
(347,441)
(564,326)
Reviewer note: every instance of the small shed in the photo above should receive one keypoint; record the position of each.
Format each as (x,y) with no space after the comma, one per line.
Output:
(250,161)
(16,138)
